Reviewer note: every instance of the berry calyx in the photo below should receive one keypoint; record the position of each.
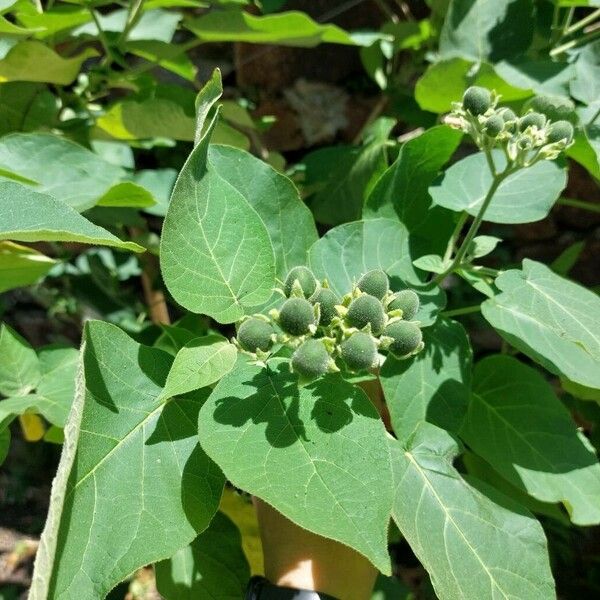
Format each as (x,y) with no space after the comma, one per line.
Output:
(359,351)
(375,283)
(408,302)
(366,310)
(255,334)
(327,300)
(477,100)
(406,338)
(305,279)
(560,130)
(311,359)
(297,316)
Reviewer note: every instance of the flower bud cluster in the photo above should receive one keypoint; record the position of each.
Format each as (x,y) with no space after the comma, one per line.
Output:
(327,333)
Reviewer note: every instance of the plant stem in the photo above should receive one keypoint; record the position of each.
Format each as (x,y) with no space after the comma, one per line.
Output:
(580,204)
(466,310)
(38,6)
(102,37)
(133,16)
(576,42)
(455,235)
(583,22)
(568,20)
(596,114)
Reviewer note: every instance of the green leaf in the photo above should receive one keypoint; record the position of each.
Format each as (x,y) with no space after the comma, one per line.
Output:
(34,61)
(523,197)
(432,263)
(201,362)
(216,254)
(541,76)
(159,182)
(171,57)
(586,149)
(21,266)
(434,385)
(492,30)
(291,28)
(212,566)
(390,588)
(473,545)
(27,216)
(586,84)
(402,192)
(9,28)
(26,106)
(65,170)
(317,453)
(19,368)
(580,391)
(482,245)
(97,531)
(348,251)
(567,259)
(52,20)
(128,194)
(517,424)
(550,319)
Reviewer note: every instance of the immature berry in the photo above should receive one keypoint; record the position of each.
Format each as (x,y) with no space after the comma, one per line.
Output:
(477,100)
(375,283)
(311,359)
(327,300)
(364,310)
(408,302)
(305,278)
(296,316)
(359,351)
(406,335)
(554,107)
(532,119)
(560,130)
(255,334)
(508,115)
(494,125)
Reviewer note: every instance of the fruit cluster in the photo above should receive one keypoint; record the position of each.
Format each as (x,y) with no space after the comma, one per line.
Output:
(542,131)
(327,333)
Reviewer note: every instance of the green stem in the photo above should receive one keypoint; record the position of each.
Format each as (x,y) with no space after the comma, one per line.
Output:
(462,219)
(38,6)
(480,270)
(133,16)
(466,310)
(583,22)
(580,204)
(596,114)
(573,43)
(102,37)
(568,20)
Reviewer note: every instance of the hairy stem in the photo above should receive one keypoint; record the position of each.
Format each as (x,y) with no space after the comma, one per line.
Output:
(583,22)
(465,310)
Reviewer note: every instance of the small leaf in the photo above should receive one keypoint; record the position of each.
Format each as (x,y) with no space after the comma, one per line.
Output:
(316,453)
(201,362)
(550,319)
(212,566)
(482,245)
(432,263)
(127,194)
(21,266)
(517,424)
(20,367)
(159,182)
(27,216)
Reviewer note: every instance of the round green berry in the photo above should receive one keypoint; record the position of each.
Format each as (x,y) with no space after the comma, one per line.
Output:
(494,125)
(508,115)
(255,334)
(310,359)
(406,335)
(327,300)
(554,107)
(359,351)
(408,302)
(477,100)
(375,283)
(296,316)
(532,119)
(364,310)
(305,278)
(560,130)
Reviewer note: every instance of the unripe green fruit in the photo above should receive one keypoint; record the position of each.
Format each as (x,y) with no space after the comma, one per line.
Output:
(255,334)
(305,278)
(375,283)
(408,302)
(508,115)
(311,359)
(494,125)
(406,335)
(327,300)
(555,108)
(296,316)
(477,100)
(364,310)
(532,119)
(359,351)
(560,130)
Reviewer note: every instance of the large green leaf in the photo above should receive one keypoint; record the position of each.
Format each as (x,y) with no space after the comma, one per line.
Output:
(133,486)
(34,61)
(542,76)
(586,84)
(20,368)
(201,362)
(516,423)
(487,29)
(212,566)
(21,266)
(291,28)
(433,386)
(26,106)
(402,192)
(317,454)
(167,55)
(216,254)
(552,320)
(473,545)
(27,216)
(523,197)
(65,170)
(347,251)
